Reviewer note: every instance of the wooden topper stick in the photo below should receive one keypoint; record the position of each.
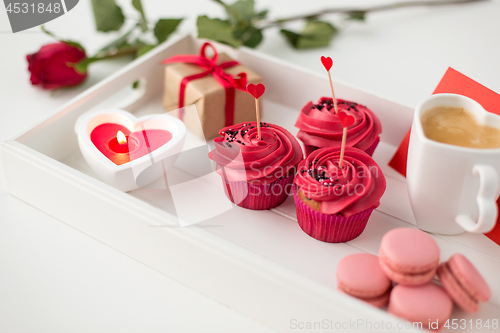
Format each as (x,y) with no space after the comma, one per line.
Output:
(333,94)
(328,63)
(342,148)
(256,91)
(257,114)
(346,120)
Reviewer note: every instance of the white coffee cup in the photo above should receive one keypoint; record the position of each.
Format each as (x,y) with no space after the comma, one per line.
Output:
(452,189)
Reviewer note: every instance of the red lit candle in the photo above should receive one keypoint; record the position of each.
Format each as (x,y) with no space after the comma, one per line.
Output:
(118,144)
(121,144)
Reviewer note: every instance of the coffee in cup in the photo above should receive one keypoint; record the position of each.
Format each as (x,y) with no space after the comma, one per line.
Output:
(452,187)
(459,127)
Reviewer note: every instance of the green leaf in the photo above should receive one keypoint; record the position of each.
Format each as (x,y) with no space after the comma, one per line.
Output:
(255,39)
(164,27)
(241,20)
(217,30)
(291,37)
(241,12)
(357,15)
(249,36)
(315,34)
(319,28)
(66,41)
(81,67)
(74,44)
(262,14)
(108,15)
(144,22)
(145,49)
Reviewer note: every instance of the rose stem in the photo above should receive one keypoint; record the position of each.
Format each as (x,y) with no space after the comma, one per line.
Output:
(378,8)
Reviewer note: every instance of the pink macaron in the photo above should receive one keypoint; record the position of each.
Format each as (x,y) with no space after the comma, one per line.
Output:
(428,304)
(408,256)
(359,275)
(463,282)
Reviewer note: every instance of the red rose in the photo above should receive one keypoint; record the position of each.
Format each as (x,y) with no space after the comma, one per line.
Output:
(50,66)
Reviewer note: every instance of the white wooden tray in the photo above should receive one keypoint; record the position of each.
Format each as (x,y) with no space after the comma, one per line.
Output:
(257,262)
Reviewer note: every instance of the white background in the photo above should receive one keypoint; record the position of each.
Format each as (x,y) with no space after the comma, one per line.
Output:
(56,279)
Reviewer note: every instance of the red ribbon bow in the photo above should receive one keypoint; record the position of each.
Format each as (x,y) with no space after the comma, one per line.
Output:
(217,71)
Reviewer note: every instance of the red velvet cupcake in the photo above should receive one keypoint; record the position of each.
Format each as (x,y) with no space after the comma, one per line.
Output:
(333,204)
(320,127)
(256,173)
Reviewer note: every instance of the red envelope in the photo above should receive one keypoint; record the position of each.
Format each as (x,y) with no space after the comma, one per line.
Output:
(456,83)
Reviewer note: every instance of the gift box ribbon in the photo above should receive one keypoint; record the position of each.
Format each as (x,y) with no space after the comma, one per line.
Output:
(210,67)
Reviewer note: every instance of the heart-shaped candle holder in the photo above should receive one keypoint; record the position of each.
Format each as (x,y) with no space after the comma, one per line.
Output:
(128,152)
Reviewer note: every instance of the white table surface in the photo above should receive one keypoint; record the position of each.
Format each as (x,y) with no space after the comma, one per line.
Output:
(54,278)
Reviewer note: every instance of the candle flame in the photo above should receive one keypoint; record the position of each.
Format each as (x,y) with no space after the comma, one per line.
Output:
(122,139)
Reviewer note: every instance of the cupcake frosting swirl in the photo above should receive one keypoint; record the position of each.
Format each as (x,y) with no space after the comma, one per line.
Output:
(359,185)
(319,125)
(241,156)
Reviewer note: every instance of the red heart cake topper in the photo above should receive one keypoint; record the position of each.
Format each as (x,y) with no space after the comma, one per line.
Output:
(256,90)
(346,119)
(327,62)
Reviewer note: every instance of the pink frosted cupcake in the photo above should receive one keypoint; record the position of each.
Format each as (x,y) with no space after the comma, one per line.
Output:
(333,204)
(320,127)
(256,173)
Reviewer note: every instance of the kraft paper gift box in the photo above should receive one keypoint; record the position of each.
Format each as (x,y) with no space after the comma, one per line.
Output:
(208,95)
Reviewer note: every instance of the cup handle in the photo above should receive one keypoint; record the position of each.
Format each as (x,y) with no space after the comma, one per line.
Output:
(486,200)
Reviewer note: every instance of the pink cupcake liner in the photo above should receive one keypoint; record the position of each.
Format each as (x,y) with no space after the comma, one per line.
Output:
(333,228)
(259,197)
(309,149)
